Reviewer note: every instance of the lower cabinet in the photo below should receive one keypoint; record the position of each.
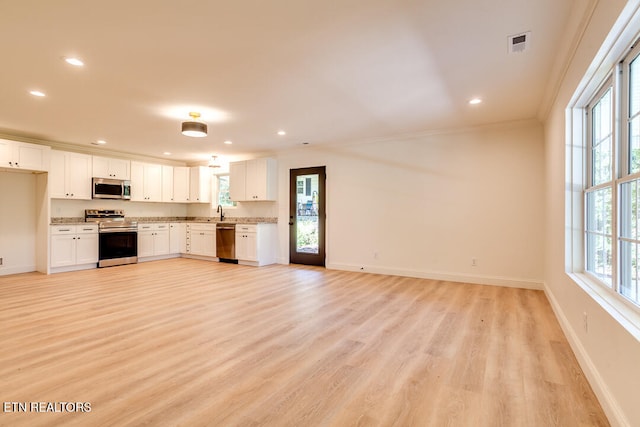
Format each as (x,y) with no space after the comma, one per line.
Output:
(153,240)
(201,239)
(178,238)
(256,244)
(73,247)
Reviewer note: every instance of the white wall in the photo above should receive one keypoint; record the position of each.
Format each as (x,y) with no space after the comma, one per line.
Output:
(427,205)
(75,208)
(17,222)
(608,353)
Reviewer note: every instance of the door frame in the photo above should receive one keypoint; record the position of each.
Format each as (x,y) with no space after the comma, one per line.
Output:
(296,257)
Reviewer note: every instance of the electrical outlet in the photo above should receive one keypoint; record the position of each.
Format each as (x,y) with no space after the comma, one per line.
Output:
(474,262)
(375,255)
(585,322)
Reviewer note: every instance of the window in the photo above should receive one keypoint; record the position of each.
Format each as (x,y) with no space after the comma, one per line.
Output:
(223,191)
(612,190)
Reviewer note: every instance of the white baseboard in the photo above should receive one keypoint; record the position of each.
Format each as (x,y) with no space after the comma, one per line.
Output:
(451,277)
(6,270)
(609,404)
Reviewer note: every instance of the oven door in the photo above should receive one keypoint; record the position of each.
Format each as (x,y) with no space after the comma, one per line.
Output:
(117,248)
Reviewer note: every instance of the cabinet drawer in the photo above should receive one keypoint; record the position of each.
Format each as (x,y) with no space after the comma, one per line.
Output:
(153,227)
(246,228)
(63,229)
(87,229)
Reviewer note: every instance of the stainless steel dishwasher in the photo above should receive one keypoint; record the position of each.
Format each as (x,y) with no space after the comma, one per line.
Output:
(226,242)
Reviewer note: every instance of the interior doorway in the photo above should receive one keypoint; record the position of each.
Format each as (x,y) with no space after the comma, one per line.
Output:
(307,216)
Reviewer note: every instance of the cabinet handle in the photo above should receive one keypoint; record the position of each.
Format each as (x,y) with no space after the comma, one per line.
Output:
(64,229)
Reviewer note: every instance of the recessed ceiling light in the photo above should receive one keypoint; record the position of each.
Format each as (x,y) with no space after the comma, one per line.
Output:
(74,61)
(37,93)
(166,153)
(281,132)
(475,101)
(228,142)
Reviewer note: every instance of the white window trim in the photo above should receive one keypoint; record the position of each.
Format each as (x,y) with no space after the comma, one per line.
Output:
(616,46)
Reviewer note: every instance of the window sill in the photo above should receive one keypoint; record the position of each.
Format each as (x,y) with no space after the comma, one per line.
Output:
(624,312)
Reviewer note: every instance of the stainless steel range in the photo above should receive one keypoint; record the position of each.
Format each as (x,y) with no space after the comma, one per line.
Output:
(117,236)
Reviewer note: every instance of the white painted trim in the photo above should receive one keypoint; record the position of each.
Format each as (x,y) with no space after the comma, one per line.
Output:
(609,404)
(5,271)
(158,257)
(448,276)
(68,268)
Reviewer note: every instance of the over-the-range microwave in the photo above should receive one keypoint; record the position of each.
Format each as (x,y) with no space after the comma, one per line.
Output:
(106,188)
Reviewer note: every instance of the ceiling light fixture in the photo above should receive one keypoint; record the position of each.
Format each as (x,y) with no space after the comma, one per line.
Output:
(228,142)
(74,61)
(194,127)
(475,101)
(37,93)
(281,132)
(213,163)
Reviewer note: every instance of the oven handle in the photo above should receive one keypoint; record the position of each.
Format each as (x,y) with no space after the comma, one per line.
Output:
(118,230)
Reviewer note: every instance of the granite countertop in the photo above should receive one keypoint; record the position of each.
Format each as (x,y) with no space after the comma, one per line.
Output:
(211,220)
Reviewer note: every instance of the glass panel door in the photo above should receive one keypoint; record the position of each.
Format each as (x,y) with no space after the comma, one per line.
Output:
(307,216)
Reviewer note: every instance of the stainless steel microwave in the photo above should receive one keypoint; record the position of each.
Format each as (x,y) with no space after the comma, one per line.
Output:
(104,188)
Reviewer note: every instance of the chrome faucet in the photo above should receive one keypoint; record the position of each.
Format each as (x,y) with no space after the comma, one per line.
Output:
(220,211)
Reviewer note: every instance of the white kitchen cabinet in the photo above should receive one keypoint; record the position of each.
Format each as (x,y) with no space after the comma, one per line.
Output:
(146,182)
(23,156)
(181,176)
(253,180)
(153,240)
(200,184)
(256,244)
(74,245)
(178,238)
(201,239)
(107,167)
(70,175)
(167,183)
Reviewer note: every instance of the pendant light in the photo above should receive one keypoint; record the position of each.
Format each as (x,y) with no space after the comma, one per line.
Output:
(194,127)
(213,163)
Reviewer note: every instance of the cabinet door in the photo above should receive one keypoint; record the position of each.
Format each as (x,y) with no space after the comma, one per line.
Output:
(161,242)
(178,238)
(87,248)
(145,243)
(153,183)
(57,175)
(251,246)
(105,167)
(200,184)
(137,181)
(120,169)
(31,156)
(181,176)
(237,181)
(78,176)
(6,153)
(100,167)
(63,250)
(167,183)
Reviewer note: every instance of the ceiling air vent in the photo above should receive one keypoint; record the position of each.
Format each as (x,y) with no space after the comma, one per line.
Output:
(519,43)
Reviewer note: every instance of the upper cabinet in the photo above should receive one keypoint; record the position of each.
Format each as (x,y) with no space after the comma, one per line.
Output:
(200,184)
(181,176)
(70,175)
(146,182)
(253,180)
(105,167)
(167,183)
(20,155)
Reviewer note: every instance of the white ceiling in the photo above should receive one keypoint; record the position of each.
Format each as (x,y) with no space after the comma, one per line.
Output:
(325,71)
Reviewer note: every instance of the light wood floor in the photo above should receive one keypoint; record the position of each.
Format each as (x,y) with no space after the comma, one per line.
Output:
(188,342)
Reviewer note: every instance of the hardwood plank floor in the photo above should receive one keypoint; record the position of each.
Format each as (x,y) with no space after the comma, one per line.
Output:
(188,342)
